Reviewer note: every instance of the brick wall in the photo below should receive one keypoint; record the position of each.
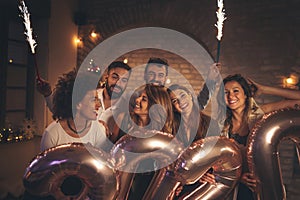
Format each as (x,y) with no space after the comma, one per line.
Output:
(261,41)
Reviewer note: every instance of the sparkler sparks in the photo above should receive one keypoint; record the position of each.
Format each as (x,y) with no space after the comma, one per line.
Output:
(221,18)
(28,30)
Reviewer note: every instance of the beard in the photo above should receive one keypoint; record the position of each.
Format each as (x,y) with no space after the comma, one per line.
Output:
(111,93)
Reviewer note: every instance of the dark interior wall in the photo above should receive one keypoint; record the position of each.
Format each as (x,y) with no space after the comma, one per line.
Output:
(258,35)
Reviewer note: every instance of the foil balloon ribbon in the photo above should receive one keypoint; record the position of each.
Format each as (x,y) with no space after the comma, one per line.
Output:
(220,153)
(71,171)
(158,152)
(262,150)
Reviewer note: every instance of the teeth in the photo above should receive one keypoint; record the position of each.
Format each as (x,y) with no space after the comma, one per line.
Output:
(232,101)
(183,106)
(116,89)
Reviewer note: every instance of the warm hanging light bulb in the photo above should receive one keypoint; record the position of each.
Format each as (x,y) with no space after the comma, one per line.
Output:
(94,34)
(289,80)
(125,60)
(77,41)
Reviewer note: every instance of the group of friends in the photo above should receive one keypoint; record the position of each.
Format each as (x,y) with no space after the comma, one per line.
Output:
(102,115)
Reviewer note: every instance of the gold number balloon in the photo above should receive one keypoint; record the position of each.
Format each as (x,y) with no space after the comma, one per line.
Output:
(97,175)
(71,171)
(130,151)
(262,150)
(220,153)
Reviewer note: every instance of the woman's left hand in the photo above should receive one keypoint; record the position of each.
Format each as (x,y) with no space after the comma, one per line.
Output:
(249,180)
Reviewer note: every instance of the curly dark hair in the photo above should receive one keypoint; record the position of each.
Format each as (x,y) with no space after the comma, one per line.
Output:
(65,99)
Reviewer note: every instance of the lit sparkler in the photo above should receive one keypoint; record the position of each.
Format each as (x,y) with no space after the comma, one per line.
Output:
(221,18)
(28,32)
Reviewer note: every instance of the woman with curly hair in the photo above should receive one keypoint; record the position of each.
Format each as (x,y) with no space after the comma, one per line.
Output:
(75,108)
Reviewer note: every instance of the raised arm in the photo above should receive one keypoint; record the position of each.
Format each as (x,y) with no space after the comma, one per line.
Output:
(282,92)
(292,97)
(44,88)
(209,86)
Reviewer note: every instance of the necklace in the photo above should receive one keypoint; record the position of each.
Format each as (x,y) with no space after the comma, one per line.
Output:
(75,131)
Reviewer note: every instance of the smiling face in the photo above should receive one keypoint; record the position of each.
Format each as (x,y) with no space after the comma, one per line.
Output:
(235,96)
(116,82)
(141,105)
(88,107)
(182,101)
(156,74)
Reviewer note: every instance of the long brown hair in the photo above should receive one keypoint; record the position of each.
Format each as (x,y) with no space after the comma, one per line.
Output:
(157,95)
(221,100)
(198,123)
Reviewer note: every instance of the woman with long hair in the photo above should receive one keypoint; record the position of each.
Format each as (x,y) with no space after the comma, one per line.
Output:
(152,110)
(236,94)
(190,122)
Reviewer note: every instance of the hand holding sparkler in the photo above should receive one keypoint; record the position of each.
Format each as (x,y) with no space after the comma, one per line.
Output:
(221,18)
(43,87)
(28,32)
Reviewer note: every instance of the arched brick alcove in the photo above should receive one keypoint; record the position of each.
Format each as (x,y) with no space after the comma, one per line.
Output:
(258,35)
(114,17)
(260,40)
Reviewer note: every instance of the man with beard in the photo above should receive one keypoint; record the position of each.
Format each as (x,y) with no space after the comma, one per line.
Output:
(156,71)
(116,81)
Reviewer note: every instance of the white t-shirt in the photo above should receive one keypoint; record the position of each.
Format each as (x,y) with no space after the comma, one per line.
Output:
(103,114)
(110,114)
(55,135)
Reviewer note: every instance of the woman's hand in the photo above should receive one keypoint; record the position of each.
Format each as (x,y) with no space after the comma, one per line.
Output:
(257,89)
(178,190)
(214,71)
(208,177)
(249,180)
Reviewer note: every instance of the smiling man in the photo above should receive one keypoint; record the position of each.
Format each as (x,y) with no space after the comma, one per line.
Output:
(156,71)
(116,81)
